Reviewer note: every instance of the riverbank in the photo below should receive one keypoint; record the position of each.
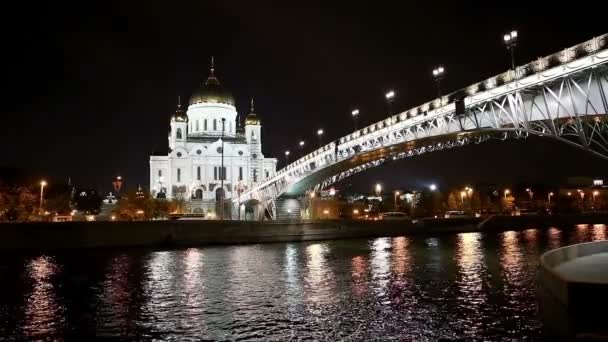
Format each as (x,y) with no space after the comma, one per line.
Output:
(197,233)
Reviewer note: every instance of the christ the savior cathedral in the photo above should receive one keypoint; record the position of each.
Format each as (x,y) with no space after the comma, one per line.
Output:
(201,140)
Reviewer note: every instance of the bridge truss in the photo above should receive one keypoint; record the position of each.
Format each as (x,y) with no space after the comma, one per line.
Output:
(562,96)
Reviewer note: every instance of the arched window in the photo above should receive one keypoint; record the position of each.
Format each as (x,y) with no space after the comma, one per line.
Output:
(197,125)
(178,135)
(214,124)
(205,124)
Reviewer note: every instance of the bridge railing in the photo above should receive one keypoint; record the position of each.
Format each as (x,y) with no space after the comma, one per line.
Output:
(446,103)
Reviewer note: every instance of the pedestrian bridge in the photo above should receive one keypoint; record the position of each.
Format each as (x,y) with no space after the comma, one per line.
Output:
(561,97)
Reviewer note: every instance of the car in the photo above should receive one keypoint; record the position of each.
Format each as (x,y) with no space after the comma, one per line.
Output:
(394,215)
(456,213)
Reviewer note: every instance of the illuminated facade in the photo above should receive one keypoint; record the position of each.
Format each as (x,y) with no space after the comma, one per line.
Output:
(199,139)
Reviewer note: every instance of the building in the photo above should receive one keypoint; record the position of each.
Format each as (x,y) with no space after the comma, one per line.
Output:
(211,155)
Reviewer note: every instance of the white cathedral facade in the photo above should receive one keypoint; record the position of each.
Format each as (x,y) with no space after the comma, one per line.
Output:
(210,155)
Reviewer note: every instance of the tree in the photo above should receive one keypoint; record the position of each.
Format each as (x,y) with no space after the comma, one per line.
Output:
(452,203)
(17,203)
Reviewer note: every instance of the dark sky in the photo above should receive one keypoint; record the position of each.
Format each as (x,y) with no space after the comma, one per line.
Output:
(89,88)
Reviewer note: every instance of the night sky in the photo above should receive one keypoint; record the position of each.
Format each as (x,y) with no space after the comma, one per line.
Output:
(88,90)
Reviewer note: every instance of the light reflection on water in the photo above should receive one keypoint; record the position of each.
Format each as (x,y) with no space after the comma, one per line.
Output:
(468,285)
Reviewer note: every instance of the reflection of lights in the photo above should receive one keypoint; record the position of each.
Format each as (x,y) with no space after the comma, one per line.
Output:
(359,275)
(554,237)
(401,256)
(471,271)
(380,265)
(599,232)
(42,312)
(319,278)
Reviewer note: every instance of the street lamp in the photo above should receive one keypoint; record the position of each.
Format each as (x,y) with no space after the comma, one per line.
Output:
(507,191)
(433,187)
(42,185)
(287,156)
(595,193)
(438,76)
(390,97)
(549,197)
(530,193)
(511,42)
(397,193)
(320,135)
(378,189)
(355,115)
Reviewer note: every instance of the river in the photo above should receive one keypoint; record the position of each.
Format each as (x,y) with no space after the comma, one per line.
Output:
(418,288)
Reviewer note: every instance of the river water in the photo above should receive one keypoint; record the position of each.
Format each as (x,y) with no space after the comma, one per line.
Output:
(418,288)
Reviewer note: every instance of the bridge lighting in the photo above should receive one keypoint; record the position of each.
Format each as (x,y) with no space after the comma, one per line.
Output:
(320,135)
(511,42)
(438,76)
(433,187)
(355,115)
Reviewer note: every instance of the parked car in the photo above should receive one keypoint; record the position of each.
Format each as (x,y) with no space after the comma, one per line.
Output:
(456,213)
(394,215)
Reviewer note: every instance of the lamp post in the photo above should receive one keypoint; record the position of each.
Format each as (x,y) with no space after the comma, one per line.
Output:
(462,195)
(507,191)
(397,193)
(287,156)
(355,115)
(438,76)
(320,133)
(378,189)
(595,193)
(511,42)
(42,185)
(301,144)
(222,173)
(390,98)
(549,197)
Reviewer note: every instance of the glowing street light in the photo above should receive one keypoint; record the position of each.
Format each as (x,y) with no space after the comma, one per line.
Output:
(438,76)
(511,42)
(433,187)
(390,97)
(595,193)
(42,185)
(397,193)
(320,133)
(287,153)
(507,191)
(355,115)
(549,197)
(530,193)
(378,189)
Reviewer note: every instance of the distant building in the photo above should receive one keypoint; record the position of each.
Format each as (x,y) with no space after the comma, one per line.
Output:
(199,139)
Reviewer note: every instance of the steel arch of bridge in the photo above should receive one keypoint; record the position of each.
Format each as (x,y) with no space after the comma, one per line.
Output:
(562,96)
